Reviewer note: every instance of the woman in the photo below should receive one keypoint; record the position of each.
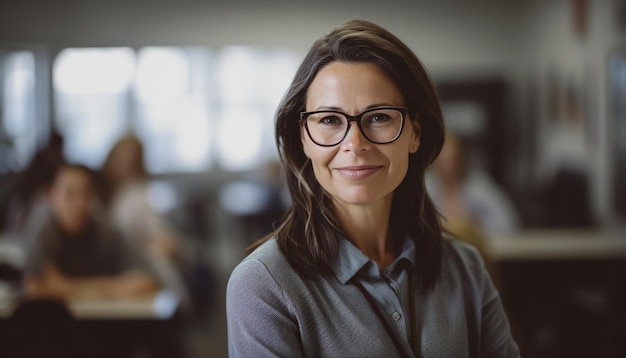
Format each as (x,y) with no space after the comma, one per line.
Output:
(466,195)
(126,198)
(127,201)
(359,266)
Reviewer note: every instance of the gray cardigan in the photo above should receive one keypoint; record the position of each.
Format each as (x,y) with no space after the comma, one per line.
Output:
(273,311)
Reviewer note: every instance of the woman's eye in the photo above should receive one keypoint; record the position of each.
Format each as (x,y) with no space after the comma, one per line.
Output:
(378,118)
(330,120)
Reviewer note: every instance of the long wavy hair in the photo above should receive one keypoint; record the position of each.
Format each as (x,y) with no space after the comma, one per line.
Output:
(309,232)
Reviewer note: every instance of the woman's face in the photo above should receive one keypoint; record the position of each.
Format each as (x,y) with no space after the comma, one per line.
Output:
(72,199)
(357,171)
(125,161)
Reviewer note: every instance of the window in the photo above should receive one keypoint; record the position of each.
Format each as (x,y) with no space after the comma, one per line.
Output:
(23,109)
(173,108)
(194,108)
(251,82)
(91,94)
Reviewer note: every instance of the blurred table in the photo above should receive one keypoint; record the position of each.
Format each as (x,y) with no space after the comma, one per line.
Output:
(160,306)
(11,250)
(564,290)
(552,244)
(148,326)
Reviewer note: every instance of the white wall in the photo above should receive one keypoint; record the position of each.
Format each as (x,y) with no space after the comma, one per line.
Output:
(445,34)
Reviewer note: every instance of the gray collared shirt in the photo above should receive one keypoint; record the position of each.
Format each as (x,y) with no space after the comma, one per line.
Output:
(273,311)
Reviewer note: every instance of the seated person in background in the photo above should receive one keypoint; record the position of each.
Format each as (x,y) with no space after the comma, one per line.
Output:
(128,205)
(472,204)
(466,196)
(77,253)
(23,207)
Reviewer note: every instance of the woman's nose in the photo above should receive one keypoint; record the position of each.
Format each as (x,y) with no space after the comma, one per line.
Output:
(355,140)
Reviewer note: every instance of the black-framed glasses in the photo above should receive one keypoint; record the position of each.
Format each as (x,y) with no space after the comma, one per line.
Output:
(380,125)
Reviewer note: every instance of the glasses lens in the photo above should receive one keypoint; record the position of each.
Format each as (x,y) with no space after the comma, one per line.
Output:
(327,128)
(382,125)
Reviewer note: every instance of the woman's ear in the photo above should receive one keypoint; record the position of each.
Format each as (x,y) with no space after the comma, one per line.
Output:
(416,140)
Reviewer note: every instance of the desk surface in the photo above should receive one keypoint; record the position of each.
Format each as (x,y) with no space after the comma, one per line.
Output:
(557,245)
(11,251)
(159,306)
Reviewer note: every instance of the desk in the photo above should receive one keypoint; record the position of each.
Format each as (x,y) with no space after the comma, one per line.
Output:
(564,290)
(149,326)
(557,245)
(160,306)
(11,250)
(92,328)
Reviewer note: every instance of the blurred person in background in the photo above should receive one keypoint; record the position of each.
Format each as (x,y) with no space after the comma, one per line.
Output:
(473,206)
(360,265)
(471,202)
(77,252)
(127,202)
(126,197)
(24,207)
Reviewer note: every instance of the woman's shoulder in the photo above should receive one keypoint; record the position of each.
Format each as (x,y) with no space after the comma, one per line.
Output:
(454,244)
(461,256)
(268,254)
(265,263)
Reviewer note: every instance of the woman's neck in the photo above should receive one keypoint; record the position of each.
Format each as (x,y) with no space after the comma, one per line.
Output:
(367,227)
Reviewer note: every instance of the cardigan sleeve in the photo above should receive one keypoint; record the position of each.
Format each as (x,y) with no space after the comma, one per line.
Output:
(260,315)
(496,340)
(496,337)
(491,332)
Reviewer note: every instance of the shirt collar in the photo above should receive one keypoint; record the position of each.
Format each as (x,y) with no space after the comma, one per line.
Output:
(350,260)
(404,260)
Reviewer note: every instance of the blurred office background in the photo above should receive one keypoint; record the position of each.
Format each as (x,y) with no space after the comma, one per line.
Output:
(537,88)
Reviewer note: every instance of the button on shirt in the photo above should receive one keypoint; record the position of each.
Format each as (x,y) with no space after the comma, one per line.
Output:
(273,311)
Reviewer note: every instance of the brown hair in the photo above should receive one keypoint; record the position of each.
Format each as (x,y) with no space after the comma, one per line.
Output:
(110,183)
(308,235)
(89,173)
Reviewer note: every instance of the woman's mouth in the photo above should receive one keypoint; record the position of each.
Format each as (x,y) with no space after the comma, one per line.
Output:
(358,171)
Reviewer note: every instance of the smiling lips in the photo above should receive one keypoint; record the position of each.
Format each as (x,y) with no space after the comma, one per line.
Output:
(358,172)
